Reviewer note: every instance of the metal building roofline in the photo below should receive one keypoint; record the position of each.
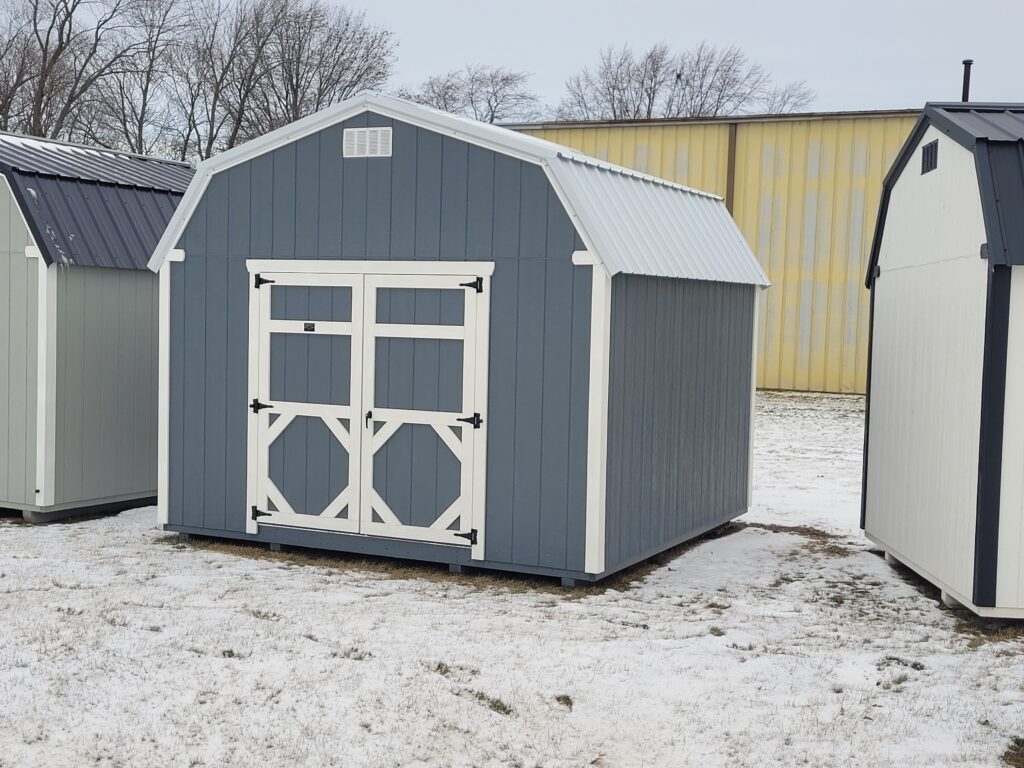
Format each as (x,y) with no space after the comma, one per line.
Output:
(718,119)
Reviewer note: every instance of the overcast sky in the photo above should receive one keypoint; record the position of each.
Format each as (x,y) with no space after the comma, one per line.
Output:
(864,54)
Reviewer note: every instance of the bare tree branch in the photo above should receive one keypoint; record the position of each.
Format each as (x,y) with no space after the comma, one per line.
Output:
(488,94)
(702,82)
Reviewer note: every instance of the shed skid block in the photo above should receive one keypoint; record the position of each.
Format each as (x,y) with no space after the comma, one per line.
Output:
(274,546)
(890,559)
(456,568)
(570,582)
(949,601)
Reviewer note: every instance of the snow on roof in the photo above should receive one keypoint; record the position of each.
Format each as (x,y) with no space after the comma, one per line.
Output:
(633,223)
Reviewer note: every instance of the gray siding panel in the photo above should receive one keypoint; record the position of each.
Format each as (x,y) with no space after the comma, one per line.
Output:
(18,340)
(435,198)
(678,411)
(105,379)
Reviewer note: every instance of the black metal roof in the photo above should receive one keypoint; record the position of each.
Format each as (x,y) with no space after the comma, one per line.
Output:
(995,134)
(91,207)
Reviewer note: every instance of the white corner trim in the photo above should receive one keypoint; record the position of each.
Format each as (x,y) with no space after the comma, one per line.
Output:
(353,267)
(753,401)
(163,451)
(33,252)
(597,419)
(46,389)
(584,259)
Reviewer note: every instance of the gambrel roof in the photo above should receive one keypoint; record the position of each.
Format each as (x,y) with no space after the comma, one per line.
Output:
(632,223)
(995,134)
(91,207)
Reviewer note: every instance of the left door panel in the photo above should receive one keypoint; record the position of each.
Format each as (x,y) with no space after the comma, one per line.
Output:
(305,390)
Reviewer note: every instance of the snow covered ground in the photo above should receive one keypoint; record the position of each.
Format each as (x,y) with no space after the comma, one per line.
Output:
(765,646)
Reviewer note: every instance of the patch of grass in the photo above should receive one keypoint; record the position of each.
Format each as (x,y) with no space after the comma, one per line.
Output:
(565,700)
(1014,755)
(714,605)
(443,669)
(354,652)
(492,703)
(258,613)
(896,661)
(716,631)
(982,630)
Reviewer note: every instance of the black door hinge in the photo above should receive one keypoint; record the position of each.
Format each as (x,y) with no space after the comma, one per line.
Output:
(257,406)
(475,420)
(471,536)
(477,285)
(261,280)
(255,514)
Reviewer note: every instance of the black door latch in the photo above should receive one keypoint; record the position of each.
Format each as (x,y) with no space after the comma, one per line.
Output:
(475,420)
(257,406)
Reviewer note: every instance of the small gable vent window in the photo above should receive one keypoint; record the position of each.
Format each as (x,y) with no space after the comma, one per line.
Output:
(930,156)
(367,142)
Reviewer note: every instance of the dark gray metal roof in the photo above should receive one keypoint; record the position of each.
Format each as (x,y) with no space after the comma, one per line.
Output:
(91,207)
(73,161)
(995,134)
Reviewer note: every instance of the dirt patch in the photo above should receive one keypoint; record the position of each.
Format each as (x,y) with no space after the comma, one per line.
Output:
(408,569)
(1014,755)
(818,542)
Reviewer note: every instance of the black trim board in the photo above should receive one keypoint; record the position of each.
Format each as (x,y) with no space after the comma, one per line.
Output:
(867,413)
(990,443)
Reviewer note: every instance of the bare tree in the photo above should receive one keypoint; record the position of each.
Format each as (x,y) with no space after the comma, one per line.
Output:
(16,66)
(76,44)
(131,106)
(488,94)
(317,56)
(704,81)
(792,97)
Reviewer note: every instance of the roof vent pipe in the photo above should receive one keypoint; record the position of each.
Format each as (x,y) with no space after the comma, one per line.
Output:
(966,95)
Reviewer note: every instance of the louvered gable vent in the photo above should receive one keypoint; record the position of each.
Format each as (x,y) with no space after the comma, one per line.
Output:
(367,142)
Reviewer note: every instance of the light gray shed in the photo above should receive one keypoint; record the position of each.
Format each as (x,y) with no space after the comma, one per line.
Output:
(389,330)
(78,325)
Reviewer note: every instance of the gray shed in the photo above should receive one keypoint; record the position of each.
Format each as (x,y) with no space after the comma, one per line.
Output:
(389,330)
(78,332)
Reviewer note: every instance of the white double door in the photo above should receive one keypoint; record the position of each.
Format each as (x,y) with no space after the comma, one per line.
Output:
(366,408)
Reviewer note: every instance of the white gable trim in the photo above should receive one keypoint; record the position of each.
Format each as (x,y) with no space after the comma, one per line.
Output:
(652,225)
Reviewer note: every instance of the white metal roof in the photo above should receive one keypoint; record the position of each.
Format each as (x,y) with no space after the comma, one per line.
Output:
(631,222)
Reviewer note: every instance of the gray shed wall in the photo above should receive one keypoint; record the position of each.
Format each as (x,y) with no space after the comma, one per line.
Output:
(106,384)
(678,411)
(19,293)
(435,198)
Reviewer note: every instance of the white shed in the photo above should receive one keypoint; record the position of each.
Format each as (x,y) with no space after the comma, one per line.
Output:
(944,444)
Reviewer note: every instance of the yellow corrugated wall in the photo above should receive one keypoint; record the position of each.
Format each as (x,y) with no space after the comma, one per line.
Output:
(806,193)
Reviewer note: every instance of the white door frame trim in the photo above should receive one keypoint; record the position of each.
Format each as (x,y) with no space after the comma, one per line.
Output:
(371,275)
(597,412)
(357,267)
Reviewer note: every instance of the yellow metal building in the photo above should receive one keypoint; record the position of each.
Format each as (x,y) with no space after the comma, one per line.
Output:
(804,189)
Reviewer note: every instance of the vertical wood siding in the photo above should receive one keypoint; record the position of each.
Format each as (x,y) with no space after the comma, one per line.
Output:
(806,194)
(436,198)
(106,384)
(678,411)
(18,323)
(921,495)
